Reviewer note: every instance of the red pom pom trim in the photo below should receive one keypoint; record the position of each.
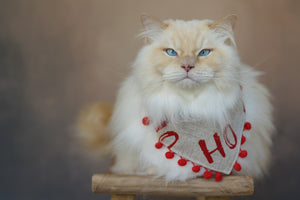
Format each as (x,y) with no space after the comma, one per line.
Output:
(207,174)
(247,126)
(237,167)
(169,155)
(182,162)
(158,145)
(196,168)
(218,176)
(146,121)
(243,154)
(243,140)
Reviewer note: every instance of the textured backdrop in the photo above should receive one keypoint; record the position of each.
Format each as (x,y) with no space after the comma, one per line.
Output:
(56,56)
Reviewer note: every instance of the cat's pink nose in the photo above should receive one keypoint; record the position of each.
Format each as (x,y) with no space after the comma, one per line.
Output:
(187,68)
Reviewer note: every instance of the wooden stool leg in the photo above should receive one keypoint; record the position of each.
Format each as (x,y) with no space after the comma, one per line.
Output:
(122,197)
(213,198)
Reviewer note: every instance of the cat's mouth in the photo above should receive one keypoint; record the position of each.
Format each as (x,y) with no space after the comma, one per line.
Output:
(187,80)
(187,77)
(184,80)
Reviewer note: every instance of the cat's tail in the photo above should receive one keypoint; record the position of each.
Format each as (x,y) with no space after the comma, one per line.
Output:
(92,127)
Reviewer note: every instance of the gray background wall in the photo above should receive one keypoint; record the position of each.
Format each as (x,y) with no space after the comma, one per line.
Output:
(56,56)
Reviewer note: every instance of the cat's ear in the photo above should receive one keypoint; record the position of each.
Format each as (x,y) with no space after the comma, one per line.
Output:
(225,27)
(152,27)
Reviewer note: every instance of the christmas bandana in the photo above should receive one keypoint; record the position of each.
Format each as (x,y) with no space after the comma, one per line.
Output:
(204,143)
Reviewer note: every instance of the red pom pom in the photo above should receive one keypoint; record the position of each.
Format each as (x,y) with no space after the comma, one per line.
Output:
(207,174)
(182,162)
(247,126)
(237,167)
(146,121)
(169,155)
(243,154)
(196,168)
(218,176)
(243,140)
(158,145)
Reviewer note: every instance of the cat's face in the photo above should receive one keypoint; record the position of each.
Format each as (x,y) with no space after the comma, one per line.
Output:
(189,54)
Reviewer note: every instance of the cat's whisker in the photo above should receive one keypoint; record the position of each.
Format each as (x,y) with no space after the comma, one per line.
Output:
(228,79)
(174,76)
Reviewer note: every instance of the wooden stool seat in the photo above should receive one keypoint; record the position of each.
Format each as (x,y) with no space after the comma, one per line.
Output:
(125,187)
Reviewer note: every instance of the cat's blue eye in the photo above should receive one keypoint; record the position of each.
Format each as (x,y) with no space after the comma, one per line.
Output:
(204,52)
(171,52)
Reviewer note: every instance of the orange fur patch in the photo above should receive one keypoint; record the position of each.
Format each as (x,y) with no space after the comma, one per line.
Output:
(92,125)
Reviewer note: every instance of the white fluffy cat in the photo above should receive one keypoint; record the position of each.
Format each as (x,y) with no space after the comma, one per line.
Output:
(186,70)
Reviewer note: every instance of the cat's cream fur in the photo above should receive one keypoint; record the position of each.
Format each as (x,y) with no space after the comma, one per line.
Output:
(161,89)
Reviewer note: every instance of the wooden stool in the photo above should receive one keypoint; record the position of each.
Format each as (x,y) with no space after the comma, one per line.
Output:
(126,187)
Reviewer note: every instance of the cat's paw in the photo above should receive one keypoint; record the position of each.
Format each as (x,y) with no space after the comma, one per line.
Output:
(151,170)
